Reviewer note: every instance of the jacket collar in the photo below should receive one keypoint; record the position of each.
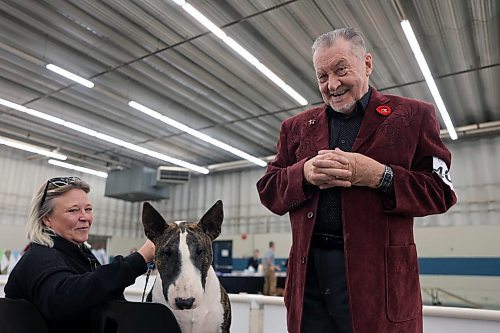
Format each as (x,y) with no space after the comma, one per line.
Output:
(371,120)
(315,132)
(66,246)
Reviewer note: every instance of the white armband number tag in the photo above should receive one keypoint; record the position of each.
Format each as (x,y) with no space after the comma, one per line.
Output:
(441,169)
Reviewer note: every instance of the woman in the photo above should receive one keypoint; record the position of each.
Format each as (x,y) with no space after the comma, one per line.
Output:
(59,274)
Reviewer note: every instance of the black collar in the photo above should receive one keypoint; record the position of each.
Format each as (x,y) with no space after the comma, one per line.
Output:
(65,246)
(363,102)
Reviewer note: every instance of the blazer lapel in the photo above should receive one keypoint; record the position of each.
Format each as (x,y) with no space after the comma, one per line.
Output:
(314,135)
(323,134)
(371,120)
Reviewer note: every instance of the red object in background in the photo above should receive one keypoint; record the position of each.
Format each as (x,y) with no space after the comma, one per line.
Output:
(244,236)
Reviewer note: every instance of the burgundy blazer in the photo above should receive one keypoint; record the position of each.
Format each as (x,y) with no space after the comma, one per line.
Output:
(381,258)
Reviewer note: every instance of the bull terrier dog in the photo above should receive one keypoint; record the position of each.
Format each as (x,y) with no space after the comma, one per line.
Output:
(186,282)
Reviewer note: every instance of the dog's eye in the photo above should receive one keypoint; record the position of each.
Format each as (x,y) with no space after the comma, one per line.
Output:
(200,251)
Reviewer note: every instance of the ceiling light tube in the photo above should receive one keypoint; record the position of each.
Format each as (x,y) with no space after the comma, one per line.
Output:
(195,133)
(180,2)
(78,168)
(105,137)
(71,76)
(424,68)
(241,51)
(32,149)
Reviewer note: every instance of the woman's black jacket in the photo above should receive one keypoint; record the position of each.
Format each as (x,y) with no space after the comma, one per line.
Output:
(66,281)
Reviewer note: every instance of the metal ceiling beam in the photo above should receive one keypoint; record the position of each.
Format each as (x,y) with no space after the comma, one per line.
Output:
(187,40)
(475,69)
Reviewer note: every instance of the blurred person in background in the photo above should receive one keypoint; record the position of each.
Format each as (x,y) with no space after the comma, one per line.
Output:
(254,260)
(269,267)
(99,252)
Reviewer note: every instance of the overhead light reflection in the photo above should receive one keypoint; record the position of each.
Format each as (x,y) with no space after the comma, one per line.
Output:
(197,15)
(71,76)
(31,148)
(424,68)
(105,137)
(78,168)
(195,133)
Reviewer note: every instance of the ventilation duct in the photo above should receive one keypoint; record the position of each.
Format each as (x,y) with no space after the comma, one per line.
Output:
(137,184)
(172,175)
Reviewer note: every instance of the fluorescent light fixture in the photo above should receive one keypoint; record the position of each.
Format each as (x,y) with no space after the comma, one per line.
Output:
(71,76)
(32,149)
(415,47)
(241,51)
(105,137)
(78,168)
(197,134)
(180,2)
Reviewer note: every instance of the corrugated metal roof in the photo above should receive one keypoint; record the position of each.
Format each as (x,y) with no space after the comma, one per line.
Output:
(153,52)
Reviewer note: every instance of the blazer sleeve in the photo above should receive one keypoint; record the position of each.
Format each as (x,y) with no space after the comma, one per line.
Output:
(281,188)
(61,294)
(426,187)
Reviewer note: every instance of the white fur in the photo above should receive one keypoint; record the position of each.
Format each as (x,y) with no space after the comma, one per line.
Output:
(188,283)
(207,313)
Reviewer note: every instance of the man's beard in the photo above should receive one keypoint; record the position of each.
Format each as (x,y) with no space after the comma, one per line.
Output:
(347,108)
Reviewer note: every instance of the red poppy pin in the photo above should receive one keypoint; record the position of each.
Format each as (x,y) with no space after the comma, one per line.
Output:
(384,110)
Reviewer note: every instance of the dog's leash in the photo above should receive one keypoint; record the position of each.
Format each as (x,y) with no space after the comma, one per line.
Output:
(151,266)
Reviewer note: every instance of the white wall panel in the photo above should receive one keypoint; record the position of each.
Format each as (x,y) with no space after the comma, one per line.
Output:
(242,208)
(474,170)
(474,173)
(21,175)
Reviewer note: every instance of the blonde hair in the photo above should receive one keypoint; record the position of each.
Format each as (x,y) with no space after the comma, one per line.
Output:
(37,231)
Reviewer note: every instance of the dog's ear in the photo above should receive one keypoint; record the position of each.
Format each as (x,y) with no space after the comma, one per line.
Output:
(153,222)
(211,222)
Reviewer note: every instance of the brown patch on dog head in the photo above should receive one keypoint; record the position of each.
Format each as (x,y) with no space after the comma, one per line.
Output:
(153,222)
(167,256)
(211,222)
(200,248)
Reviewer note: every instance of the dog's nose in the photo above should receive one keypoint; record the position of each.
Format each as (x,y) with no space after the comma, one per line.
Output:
(184,303)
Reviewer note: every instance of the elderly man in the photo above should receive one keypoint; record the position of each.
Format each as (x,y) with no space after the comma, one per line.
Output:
(353,174)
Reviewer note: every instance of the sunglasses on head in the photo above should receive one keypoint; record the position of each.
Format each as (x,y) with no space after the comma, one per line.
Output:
(56,182)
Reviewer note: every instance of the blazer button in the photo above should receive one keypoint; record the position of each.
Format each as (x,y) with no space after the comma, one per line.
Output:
(302,260)
(310,215)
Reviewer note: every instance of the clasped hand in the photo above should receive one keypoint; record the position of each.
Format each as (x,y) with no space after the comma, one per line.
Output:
(339,168)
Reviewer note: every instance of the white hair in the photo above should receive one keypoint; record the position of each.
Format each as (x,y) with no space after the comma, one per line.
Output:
(351,35)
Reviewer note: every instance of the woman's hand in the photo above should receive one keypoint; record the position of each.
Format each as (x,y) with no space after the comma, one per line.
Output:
(147,251)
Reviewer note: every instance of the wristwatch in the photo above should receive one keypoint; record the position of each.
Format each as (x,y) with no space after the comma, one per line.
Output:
(387,179)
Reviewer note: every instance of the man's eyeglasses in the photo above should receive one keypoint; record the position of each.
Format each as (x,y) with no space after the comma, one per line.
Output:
(55,183)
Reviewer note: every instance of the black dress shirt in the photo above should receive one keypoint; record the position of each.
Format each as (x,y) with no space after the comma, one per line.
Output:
(343,131)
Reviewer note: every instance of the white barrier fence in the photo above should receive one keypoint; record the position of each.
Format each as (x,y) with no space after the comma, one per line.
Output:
(267,314)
